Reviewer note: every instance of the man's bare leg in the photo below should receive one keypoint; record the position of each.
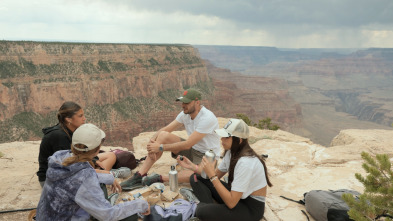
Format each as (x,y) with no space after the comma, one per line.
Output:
(163,138)
(183,176)
(149,162)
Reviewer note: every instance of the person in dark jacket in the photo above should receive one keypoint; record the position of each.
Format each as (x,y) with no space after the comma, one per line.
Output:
(70,116)
(58,137)
(73,186)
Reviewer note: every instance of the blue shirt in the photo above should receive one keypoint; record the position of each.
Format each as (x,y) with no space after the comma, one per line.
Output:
(68,189)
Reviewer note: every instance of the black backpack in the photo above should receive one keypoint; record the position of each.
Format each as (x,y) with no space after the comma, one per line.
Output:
(326,205)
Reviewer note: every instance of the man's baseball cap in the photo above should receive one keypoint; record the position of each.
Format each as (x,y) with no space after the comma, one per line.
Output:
(190,95)
(234,127)
(89,135)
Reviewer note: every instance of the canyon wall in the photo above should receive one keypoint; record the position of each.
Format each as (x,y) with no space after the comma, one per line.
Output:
(336,88)
(124,88)
(258,97)
(38,76)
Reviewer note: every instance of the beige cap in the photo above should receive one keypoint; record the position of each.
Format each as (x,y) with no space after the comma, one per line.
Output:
(89,135)
(234,127)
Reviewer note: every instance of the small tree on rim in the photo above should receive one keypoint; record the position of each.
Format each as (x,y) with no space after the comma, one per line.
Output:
(265,123)
(376,203)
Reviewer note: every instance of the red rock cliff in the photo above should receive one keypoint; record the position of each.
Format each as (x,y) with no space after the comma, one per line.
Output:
(125,89)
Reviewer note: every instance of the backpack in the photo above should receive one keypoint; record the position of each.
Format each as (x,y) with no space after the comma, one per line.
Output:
(125,159)
(326,205)
(179,210)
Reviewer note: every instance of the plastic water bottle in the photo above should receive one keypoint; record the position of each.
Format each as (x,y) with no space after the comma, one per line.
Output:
(173,180)
(210,156)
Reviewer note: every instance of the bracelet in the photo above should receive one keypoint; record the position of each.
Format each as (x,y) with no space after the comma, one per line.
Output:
(196,168)
(161,148)
(213,178)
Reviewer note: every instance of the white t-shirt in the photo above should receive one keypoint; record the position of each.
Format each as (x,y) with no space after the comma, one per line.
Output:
(249,174)
(205,123)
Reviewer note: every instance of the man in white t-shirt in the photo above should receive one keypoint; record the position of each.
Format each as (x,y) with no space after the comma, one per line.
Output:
(200,124)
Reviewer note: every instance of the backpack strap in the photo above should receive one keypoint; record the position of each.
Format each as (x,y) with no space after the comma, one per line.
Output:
(302,202)
(141,159)
(304,212)
(296,201)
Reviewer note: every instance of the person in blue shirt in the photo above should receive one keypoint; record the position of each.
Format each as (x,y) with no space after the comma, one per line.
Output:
(72,184)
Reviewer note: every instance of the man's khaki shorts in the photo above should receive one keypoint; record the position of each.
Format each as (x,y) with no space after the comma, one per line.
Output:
(192,154)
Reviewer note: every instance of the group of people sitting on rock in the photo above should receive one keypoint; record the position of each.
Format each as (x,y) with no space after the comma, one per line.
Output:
(71,180)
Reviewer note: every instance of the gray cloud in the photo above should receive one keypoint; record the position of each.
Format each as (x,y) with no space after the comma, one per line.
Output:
(280,23)
(343,13)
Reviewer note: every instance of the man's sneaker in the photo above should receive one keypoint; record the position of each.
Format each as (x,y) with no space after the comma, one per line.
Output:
(152,178)
(188,194)
(133,183)
(122,172)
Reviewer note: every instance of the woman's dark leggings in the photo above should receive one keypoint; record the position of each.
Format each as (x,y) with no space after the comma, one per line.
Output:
(246,209)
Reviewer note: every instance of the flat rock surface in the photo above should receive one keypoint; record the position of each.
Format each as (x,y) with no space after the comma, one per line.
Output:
(295,164)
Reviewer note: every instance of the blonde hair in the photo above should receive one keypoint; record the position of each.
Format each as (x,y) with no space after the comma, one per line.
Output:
(80,156)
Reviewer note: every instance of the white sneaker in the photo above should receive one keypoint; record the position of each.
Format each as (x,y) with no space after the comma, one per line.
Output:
(122,172)
(188,194)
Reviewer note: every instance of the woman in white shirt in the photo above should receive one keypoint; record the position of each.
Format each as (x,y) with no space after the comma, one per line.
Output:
(243,197)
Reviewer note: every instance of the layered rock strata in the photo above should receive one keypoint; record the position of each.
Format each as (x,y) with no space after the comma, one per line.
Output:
(125,89)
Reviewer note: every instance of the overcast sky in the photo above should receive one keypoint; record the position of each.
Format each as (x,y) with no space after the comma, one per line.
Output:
(279,23)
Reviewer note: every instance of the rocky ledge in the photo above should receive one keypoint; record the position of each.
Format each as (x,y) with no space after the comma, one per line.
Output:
(296,165)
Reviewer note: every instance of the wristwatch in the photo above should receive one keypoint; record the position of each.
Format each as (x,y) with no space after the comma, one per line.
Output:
(161,147)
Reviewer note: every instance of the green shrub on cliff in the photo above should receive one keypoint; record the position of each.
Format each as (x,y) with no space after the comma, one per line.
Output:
(206,87)
(265,123)
(88,67)
(9,69)
(25,125)
(153,62)
(8,84)
(103,66)
(172,60)
(169,96)
(190,59)
(377,200)
(30,68)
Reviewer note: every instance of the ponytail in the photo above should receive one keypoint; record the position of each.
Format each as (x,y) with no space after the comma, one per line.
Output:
(67,110)
(80,156)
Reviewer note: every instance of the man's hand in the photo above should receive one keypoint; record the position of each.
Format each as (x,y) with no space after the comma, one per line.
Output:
(116,188)
(153,147)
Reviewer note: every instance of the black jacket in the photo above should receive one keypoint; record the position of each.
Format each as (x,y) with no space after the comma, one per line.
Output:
(55,138)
